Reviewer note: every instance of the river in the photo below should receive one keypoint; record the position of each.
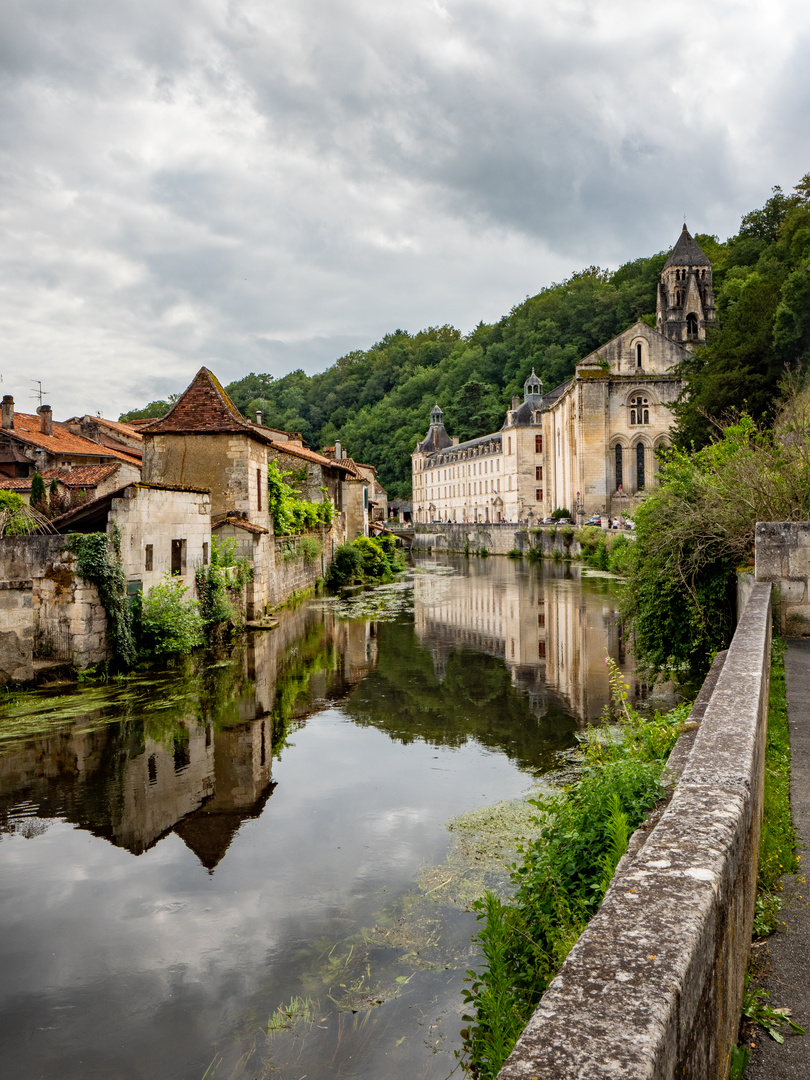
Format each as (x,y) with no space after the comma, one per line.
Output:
(242,867)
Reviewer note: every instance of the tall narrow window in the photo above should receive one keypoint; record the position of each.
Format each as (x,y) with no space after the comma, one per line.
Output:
(258,489)
(638,354)
(539,495)
(619,480)
(639,466)
(178,556)
(538,444)
(691,325)
(205,553)
(149,560)
(538,472)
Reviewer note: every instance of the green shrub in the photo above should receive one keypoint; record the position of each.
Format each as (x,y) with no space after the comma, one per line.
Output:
(514,553)
(346,567)
(310,548)
(291,513)
(567,533)
(15,523)
(220,585)
(561,512)
(170,623)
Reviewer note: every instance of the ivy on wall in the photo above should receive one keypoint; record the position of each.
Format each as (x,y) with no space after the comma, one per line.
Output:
(98,561)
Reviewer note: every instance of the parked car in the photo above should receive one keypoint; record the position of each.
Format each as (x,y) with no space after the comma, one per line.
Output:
(549,521)
(596,520)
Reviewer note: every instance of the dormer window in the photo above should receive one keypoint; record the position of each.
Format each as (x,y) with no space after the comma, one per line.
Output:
(639,410)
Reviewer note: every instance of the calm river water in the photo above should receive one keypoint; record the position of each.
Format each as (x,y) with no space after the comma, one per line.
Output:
(243,867)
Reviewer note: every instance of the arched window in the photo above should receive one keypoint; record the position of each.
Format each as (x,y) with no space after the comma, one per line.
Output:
(639,410)
(619,455)
(640,466)
(691,325)
(638,354)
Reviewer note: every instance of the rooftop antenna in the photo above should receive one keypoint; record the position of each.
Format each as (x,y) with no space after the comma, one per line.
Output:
(40,393)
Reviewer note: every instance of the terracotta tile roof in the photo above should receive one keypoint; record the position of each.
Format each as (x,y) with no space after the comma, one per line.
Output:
(203,407)
(139,425)
(27,430)
(239,523)
(350,466)
(15,483)
(117,425)
(82,476)
(310,455)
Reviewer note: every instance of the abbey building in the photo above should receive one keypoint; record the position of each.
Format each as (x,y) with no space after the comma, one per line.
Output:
(589,445)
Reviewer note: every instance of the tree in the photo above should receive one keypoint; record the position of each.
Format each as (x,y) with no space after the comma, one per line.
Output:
(38,498)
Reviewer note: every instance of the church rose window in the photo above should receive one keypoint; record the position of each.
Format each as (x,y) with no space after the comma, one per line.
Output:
(639,410)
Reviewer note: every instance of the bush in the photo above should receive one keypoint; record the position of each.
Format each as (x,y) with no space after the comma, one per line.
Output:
(15,524)
(346,567)
(170,624)
(365,559)
(220,585)
(561,512)
(291,513)
(310,548)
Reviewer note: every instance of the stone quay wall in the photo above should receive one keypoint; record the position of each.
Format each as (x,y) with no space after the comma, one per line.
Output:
(782,557)
(653,988)
(497,538)
(63,617)
(292,572)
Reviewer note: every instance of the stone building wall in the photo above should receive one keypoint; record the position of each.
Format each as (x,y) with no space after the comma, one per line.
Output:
(16,632)
(67,620)
(153,517)
(293,573)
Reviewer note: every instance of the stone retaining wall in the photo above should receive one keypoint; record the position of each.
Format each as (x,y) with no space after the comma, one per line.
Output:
(653,988)
(498,539)
(292,573)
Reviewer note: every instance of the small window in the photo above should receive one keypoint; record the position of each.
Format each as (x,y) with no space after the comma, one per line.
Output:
(509,444)
(258,489)
(538,444)
(539,495)
(148,562)
(638,354)
(538,472)
(541,650)
(639,410)
(691,325)
(541,618)
(205,553)
(178,556)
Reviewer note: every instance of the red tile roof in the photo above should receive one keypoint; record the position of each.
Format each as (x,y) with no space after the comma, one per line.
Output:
(203,407)
(27,429)
(239,523)
(82,476)
(15,483)
(295,450)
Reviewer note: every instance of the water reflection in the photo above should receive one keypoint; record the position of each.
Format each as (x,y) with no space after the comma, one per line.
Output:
(551,628)
(181,854)
(190,754)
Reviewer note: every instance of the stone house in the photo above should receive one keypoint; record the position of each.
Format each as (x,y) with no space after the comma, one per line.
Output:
(82,483)
(319,476)
(589,445)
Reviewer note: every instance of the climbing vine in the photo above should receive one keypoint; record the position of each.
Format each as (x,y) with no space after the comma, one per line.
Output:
(291,513)
(98,560)
(220,585)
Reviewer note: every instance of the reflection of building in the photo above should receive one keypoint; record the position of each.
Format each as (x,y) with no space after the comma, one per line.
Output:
(200,775)
(589,445)
(552,632)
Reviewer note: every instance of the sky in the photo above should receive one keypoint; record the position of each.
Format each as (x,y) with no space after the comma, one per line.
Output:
(265,186)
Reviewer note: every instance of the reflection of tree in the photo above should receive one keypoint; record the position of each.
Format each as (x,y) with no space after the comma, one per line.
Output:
(475,700)
(312,653)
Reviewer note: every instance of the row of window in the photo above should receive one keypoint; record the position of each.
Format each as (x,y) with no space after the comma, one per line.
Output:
(178,556)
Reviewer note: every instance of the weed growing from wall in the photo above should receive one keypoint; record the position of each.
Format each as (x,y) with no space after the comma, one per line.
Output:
(292,514)
(170,624)
(98,560)
(220,585)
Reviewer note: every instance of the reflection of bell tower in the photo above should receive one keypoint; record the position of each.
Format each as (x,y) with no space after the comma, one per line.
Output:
(685,295)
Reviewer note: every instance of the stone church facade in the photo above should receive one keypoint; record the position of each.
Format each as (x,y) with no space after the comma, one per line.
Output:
(590,445)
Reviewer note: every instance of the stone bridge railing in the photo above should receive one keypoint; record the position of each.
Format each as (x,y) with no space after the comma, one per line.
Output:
(653,988)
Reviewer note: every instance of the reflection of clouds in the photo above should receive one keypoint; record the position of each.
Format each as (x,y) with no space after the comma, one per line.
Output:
(139,945)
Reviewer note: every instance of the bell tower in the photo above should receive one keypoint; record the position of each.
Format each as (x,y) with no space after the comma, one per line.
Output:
(685,304)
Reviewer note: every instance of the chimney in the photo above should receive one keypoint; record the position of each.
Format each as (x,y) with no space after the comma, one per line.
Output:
(45,413)
(258,417)
(8,412)
(338,447)
(455,440)
(515,402)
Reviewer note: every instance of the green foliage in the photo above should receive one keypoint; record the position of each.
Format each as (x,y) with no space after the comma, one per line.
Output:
(561,512)
(220,584)
(563,876)
(11,504)
(39,499)
(310,548)
(153,411)
(170,624)
(758,1009)
(292,514)
(367,558)
(98,560)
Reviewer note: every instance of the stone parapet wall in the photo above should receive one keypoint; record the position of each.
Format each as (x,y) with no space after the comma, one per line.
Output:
(653,987)
(783,559)
(16,632)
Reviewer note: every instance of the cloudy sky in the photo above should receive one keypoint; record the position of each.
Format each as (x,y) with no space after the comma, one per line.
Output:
(261,185)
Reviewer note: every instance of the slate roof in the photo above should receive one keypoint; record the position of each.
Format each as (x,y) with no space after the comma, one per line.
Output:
(686,252)
(27,429)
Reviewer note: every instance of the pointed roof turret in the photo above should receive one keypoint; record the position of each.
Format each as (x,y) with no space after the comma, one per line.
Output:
(203,407)
(686,252)
(533,387)
(437,437)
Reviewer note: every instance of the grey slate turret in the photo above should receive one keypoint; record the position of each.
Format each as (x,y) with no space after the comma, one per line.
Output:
(685,305)
(437,437)
(526,413)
